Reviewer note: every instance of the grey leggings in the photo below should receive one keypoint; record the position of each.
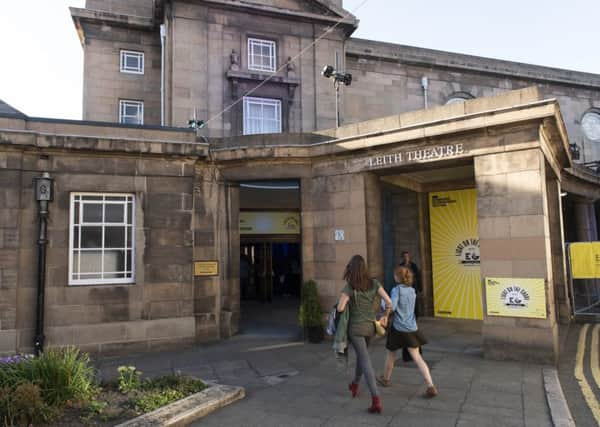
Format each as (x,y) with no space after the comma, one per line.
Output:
(363,362)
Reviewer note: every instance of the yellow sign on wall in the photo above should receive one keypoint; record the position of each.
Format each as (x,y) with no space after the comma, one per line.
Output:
(206,268)
(269,222)
(515,297)
(585,260)
(455,254)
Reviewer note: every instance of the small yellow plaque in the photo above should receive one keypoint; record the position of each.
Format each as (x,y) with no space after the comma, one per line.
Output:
(206,268)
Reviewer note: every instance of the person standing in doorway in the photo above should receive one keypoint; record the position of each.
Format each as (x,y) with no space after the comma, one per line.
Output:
(414,269)
(404,332)
(360,293)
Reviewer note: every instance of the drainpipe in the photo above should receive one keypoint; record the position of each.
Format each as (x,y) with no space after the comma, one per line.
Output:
(425,86)
(162,73)
(43,194)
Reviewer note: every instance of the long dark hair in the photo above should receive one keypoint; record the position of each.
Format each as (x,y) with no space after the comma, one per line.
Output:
(357,275)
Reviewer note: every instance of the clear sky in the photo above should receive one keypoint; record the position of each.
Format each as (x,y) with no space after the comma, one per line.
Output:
(41,57)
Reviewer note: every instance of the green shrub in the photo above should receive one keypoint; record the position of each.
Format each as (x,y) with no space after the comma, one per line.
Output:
(27,403)
(311,313)
(63,375)
(130,379)
(185,384)
(35,389)
(152,400)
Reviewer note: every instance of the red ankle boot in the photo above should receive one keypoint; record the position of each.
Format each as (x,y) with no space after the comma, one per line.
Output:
(376,405)
(353,387)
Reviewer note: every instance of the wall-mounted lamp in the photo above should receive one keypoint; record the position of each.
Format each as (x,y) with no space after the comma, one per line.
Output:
(575,153)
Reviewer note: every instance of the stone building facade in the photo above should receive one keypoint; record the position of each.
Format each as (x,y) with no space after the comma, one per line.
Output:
(176,192)
(185,205)
(206,74)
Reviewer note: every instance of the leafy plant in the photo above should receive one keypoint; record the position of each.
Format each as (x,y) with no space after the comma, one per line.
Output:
(152,400)
(130,379)
(311,313)
(27,404)
(35,389)
(185,384)
(94,408)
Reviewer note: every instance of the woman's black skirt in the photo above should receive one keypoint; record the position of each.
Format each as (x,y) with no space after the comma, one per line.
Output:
(397,339)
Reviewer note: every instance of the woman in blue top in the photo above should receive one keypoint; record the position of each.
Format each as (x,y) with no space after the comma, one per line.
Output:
(403,332)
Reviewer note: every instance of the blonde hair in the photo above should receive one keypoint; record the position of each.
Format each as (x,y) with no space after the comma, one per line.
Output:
(403,275)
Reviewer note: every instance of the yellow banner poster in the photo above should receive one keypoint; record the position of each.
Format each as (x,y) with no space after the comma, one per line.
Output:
(269,223)
(455,254)
(512,297)
(585,260)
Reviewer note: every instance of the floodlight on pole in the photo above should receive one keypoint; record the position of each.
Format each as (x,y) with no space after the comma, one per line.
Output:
(339,78)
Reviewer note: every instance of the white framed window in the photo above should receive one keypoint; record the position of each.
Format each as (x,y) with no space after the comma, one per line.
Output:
(261,115)
(132,62)
(262,55)
(131,112)
(101,239)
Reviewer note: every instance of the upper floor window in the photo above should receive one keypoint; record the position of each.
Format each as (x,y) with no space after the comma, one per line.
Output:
(131,112)
(591,125)
(101,239)
(261,55)
(132,62)
(261,115)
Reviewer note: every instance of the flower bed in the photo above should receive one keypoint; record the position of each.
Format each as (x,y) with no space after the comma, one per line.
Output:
(59,388)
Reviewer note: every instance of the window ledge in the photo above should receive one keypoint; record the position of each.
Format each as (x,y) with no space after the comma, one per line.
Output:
(258,76)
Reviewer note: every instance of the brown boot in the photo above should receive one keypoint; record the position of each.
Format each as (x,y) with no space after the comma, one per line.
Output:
(431,391)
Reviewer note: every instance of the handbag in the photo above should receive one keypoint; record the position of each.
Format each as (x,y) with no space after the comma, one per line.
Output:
(332,320)
(379,329)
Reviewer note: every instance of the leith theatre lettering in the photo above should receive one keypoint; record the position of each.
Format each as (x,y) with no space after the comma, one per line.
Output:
(420,155)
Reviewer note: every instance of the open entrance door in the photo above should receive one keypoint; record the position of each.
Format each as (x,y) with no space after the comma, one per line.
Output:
(270,258)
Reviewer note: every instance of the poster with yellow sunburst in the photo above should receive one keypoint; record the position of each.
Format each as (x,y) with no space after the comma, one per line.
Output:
(455,254)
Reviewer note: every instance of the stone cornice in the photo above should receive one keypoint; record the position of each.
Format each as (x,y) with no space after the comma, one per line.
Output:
(80,16)
(32,140)
(348,20)
(513,121)
(457,61)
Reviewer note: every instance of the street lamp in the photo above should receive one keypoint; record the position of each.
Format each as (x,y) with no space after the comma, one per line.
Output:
(43,194)
(338,79)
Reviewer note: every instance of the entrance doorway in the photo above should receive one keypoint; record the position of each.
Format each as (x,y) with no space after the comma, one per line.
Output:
(270,277)
(270,258)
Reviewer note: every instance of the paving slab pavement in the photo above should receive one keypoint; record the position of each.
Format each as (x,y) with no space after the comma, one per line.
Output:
(297,384)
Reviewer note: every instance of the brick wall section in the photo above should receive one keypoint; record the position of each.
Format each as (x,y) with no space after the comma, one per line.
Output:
(383,87)
(9,243)
(130,7)
(216,237)
(104,83)
(515,242)
(374,226)
(159,308)
(330,203)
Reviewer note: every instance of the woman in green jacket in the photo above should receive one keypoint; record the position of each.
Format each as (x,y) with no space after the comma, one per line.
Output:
(360,292)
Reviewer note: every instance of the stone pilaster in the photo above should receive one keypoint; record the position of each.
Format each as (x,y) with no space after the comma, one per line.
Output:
(329,203)
(585,220)
(514,233)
